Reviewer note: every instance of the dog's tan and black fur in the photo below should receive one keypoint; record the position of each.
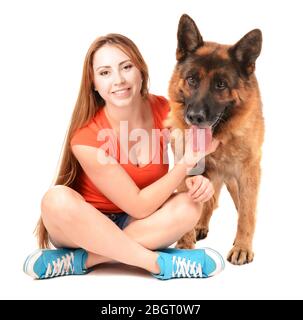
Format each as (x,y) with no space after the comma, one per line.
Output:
(214,85)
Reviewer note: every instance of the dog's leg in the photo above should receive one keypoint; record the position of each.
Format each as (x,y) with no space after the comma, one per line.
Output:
(248,184)
(233,188)
(202,226)
(188,241)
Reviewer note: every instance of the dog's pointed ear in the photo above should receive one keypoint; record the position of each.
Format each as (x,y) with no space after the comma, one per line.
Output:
(189,37)
(247,50)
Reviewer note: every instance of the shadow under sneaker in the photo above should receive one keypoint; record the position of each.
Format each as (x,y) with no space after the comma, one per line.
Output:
(189,263)
(46,263)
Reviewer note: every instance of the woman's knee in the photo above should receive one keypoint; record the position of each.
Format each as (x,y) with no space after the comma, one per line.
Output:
(185,211)
(58,202)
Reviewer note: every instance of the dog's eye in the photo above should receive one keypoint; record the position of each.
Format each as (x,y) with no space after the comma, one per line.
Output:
(192,81)
(220,85)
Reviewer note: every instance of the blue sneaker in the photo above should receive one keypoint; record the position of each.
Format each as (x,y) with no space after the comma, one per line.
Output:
(44,263)
(189,263)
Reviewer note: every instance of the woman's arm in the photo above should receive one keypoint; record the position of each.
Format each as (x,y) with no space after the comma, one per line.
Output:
(114,182)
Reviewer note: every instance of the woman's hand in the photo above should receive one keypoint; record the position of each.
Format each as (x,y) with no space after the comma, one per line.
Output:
(200,189)
(193,154)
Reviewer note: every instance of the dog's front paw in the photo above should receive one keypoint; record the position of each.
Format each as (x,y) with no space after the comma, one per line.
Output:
(239,255)
(201,233)
(188,241)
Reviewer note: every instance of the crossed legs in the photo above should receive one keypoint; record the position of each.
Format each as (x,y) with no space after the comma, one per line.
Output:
(72,222)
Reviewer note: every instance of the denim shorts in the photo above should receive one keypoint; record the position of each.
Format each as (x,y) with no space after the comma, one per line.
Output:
(121,219)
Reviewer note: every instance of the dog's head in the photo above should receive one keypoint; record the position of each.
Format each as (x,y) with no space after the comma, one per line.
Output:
(210,78)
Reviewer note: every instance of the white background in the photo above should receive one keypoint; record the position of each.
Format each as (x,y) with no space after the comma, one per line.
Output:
(42,49)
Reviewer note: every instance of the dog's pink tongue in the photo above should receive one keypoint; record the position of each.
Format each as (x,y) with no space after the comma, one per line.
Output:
(199,135)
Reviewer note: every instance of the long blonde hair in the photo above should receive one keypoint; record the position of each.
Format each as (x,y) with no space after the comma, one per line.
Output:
(88,103)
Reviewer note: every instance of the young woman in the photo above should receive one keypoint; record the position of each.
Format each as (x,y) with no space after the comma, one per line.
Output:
(113,198)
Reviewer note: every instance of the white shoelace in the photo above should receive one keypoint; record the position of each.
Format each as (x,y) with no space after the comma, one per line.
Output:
(63,266)
(185,268)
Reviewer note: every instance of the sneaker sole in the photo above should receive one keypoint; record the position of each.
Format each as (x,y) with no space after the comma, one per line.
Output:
(28,266)
(216,256)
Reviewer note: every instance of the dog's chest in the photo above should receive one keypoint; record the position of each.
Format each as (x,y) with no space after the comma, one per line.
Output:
(228,159)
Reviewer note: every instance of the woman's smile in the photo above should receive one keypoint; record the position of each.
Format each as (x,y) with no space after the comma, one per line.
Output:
(122,93)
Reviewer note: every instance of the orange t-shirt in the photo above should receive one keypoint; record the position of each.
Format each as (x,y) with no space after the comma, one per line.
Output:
(142,176)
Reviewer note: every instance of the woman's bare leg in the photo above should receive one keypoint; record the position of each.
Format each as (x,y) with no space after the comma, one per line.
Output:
(72,222)
(161,229)
(83,226)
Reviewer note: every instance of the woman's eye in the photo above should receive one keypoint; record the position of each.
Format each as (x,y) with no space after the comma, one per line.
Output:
(220,85)
(128,66)
(104,73)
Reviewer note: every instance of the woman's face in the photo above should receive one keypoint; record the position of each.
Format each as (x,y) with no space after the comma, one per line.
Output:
(116,78)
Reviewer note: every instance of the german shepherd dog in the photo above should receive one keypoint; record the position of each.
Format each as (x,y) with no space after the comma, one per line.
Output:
(214,86)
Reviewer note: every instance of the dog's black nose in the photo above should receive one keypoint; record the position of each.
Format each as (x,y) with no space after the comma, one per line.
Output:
(195,118)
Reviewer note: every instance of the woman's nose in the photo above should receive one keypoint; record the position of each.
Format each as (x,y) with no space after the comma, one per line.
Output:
(118,78)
